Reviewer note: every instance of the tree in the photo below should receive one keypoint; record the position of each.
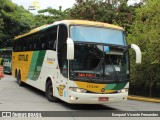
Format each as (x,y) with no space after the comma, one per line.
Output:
(118,12)
(146,33)
(1,22)
(125,14)
(1,27)
(52,16)
(16,20)
(92,10)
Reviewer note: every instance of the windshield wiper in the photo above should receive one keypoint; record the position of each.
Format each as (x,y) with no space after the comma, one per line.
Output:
(99,65)
(114,69)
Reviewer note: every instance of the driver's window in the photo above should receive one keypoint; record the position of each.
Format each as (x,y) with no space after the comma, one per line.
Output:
(62,50)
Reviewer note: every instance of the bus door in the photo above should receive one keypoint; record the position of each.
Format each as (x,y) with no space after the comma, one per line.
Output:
(62,73)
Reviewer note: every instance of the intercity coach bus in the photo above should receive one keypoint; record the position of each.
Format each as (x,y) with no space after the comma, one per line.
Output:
(6,59)
(76,61)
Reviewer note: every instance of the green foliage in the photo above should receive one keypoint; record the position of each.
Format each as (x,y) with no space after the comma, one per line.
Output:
(52,16)
(118,13)
(1,27)
(92,10)
(16,20)
(125,14)
(55,14)
(1,22)
(146,33)
(41,19)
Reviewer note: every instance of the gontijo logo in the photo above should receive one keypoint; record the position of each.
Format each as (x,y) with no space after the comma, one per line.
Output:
(23,57)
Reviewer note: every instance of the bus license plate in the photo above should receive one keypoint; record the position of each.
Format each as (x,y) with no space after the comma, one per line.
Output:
(103,99)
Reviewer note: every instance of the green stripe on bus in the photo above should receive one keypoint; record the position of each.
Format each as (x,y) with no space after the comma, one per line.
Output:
(36,64)
(120,86)
(110,86)
(32,68)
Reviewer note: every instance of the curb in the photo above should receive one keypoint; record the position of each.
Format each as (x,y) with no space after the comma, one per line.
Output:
(144,99)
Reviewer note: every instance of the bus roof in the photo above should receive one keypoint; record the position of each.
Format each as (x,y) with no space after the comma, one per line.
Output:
(92,23)
(31,32)
(72,22)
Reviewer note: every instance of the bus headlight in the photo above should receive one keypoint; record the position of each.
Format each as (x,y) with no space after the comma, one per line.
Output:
(79,90)
(123,90)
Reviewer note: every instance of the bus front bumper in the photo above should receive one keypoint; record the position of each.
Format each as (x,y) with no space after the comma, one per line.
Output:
(90,98)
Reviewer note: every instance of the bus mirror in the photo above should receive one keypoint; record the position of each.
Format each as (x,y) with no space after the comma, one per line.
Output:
(70,49)
(138,53)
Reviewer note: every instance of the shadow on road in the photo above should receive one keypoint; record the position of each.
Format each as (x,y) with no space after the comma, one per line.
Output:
(87,107)
(67,105)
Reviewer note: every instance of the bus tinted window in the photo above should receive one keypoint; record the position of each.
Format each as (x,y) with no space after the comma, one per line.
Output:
(62,48)
(42,40)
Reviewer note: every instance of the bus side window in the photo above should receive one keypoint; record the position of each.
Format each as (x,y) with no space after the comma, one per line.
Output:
(35,42)
(27,45)
(52,36)
(50,44)
(17,45)
(38,44)
(35,46)
(43,44)
(54,45)
(24,44)
(62,48)
(30,44)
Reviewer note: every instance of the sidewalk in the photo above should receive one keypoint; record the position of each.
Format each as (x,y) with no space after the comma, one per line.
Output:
(139,98)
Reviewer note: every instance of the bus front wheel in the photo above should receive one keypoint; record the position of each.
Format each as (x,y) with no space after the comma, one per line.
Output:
(49,92)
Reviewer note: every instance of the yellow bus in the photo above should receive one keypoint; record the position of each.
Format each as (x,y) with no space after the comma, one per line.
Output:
(76,61)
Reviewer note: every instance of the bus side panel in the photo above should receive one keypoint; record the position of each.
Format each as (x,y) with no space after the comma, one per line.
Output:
(43,65)
(21,62)
(36,65)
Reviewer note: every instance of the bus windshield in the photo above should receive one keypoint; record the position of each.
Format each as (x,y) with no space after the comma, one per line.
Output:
(97,34)
(93,60)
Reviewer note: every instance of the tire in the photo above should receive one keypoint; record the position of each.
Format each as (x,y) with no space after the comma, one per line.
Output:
(49,92)
(19,80)
(16,74)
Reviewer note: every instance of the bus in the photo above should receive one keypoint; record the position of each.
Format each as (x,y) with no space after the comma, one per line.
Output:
(6,59)
(76,61)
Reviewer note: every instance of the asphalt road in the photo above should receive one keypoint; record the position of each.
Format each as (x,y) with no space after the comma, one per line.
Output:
(15,98)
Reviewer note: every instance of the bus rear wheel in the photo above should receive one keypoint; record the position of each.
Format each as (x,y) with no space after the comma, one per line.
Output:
(19,79)
(49,92)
